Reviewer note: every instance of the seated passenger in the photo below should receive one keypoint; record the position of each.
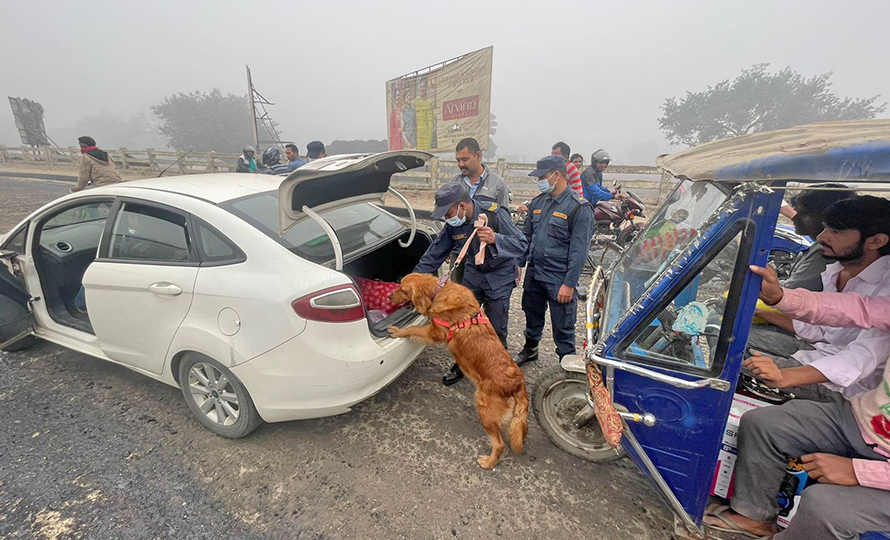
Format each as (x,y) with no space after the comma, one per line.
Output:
(842,362)
(810,206)
(844,445)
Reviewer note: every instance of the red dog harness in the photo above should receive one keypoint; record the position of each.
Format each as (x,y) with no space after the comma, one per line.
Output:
(478,319)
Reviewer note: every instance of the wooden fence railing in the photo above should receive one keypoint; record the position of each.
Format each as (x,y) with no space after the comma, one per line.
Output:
(152,162)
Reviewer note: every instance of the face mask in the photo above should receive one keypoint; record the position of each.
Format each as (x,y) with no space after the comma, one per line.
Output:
(544,186)
(456,221)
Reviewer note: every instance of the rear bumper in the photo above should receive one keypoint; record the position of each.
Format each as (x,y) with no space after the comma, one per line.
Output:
(324,371)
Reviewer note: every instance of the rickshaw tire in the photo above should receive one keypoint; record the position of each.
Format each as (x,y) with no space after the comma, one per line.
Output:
(542,392)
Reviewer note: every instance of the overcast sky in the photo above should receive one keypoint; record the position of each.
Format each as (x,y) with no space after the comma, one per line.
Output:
(591,72)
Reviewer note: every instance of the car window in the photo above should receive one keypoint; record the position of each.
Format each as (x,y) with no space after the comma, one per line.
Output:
(79,214)
(357,226)
(16,243)
(685,332)
(214,246)
(147,233)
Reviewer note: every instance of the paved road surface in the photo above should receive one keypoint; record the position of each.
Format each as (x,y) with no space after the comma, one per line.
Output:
(92,450)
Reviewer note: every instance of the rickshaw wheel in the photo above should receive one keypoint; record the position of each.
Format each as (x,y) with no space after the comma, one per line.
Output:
(558,395)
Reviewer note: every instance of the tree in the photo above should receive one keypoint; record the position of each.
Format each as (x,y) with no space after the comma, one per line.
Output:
(202,121)
(759,100)
(113,130)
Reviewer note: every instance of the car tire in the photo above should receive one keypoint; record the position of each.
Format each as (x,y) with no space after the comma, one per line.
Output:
(216,397)
(557,396)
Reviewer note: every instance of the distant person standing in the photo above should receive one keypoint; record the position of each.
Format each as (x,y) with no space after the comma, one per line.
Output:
(578,161)
(572,173)
(247,162)
(96,166)
(292,153)
(315,150)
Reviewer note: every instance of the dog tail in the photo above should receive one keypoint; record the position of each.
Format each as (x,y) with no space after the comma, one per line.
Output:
(519,423)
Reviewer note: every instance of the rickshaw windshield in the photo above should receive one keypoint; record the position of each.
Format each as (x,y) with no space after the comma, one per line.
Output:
(666,235)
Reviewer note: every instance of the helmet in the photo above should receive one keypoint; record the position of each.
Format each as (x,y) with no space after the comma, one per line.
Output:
(248,148)
(601,155)
(271,156)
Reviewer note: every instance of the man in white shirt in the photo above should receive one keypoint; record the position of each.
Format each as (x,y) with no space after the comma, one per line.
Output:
(844,362)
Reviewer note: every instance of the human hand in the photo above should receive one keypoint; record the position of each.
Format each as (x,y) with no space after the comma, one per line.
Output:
(486,234)
(75,189)
(523,207)
(770,290)
(765,369)
(564,296)
(830,469)
(518,275)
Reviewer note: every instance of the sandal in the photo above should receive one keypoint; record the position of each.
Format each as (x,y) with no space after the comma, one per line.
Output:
(730,527)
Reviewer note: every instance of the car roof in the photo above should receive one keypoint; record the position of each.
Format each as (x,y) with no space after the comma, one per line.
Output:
(856,151)
(214,187)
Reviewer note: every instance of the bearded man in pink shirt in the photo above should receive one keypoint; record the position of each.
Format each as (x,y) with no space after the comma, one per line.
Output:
(844,445)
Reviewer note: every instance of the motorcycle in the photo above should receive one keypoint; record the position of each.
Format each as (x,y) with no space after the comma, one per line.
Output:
(668,327)
(786,247)
(614,227)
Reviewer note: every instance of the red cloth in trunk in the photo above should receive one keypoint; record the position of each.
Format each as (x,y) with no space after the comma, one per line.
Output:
(376,294)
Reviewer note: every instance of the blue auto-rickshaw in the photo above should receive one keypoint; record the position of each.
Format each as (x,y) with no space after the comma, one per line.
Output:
(668,323)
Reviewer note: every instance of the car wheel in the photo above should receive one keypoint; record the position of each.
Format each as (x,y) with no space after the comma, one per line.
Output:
(216,397)
(556,398)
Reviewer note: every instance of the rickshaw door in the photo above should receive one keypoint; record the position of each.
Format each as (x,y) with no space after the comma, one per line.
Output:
(678,361)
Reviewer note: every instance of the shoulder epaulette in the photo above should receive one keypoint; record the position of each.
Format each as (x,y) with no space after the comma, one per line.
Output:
(493,208)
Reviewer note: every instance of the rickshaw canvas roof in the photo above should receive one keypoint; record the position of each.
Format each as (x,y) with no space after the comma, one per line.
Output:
(825,151)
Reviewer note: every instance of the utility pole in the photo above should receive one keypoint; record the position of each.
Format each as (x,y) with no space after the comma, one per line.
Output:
(256,135)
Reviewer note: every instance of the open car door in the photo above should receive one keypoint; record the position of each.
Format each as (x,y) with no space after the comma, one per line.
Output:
(337,180)
(16,319)
(675,363)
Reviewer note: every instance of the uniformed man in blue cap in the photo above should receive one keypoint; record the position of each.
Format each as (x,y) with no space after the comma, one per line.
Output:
(494,280)
(558,229)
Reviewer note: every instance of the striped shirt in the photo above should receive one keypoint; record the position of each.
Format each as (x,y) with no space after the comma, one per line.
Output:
(574,178)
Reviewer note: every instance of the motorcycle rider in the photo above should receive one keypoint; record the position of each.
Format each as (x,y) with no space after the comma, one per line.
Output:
(272,160)
(246,161)
(592,178)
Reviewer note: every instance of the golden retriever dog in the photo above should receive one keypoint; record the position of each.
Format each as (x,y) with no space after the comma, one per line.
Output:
(500,385)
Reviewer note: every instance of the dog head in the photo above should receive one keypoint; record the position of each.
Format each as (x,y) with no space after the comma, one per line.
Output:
(417,289)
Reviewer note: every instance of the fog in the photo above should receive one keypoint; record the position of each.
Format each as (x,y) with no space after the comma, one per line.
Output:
(591,73)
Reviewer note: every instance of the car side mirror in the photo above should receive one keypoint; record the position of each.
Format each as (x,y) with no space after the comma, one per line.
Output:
(7,254)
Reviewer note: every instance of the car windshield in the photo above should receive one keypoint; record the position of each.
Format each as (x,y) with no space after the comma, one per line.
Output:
(357,226)
(666,235)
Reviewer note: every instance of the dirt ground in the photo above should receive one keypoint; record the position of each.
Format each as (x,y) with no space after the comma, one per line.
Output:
(93,450)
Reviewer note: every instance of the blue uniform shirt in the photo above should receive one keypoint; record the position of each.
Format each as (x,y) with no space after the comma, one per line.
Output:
(558,231)
(595,193)
(501,259)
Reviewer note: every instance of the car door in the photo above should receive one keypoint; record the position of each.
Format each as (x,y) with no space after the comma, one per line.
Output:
(676,357)
(140,287)
(16,319)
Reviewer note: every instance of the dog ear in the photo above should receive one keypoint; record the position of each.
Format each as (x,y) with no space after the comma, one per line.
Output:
(421,300)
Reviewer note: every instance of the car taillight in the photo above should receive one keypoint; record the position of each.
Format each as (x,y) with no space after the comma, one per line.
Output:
(337,304)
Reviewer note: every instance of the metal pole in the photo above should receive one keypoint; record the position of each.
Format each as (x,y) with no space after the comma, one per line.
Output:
(256,135)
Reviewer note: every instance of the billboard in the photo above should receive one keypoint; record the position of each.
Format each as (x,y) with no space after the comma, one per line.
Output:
(434,108)
(28,117)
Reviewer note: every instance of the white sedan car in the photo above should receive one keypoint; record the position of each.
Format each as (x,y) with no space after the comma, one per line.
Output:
(243,290)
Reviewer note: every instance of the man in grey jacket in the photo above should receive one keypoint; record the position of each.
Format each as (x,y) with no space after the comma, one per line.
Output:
(483,183)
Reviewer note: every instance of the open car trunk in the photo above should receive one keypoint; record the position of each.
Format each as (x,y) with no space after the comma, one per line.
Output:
(319,190)
(377,273)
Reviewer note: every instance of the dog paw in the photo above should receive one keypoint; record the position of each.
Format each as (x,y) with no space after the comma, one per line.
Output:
(487,462)
(394,331)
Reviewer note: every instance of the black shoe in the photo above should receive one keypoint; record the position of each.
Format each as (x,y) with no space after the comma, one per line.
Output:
(529,352)
(452,376)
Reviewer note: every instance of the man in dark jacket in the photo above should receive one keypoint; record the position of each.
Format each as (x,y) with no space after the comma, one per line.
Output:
(492,281)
